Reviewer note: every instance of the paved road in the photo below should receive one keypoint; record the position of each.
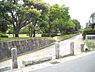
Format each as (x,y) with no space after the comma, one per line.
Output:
(83,64)
(64,49)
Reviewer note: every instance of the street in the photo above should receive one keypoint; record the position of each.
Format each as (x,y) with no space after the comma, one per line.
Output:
(82,64)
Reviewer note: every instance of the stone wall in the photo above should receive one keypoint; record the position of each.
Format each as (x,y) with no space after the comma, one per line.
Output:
(23,46)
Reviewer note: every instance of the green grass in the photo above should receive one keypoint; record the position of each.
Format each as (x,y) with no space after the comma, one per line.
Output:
(12,39)
(64,37)
(21,36)
(91,43)
(24,36)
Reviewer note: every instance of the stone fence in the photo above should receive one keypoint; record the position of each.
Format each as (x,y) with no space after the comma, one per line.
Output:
(23,46)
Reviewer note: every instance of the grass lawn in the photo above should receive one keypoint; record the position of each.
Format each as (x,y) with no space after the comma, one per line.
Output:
(91,43)
(21,36)
(24,36)
(64,37)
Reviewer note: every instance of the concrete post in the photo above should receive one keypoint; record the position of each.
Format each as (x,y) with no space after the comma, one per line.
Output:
(14,58)
(72,48)
(82,47)
(57,50)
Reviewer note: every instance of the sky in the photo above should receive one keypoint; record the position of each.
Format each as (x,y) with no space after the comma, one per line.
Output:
(78,9)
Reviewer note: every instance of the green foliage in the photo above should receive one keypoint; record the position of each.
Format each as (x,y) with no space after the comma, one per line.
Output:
(30,29)
(20,15)
(40,8)
(43,17)
(88,31)
(58,18)
(64,37)
(70,26)
(10,29)
(24,30)
(3,27)
(91,43)
(77,24)
(2,35)
(47,34)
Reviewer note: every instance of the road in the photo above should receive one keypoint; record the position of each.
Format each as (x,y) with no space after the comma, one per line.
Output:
(82,64)
(49,51)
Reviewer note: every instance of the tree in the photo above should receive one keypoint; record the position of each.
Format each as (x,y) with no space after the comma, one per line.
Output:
(42,7)
(43,25)
(24,30)
(12,12)
(3,26)
(70,26)
(49,19)
(53,15)
(3,22)
(30,29)
(20,15)
(59,15)
(77,24)
(10,29)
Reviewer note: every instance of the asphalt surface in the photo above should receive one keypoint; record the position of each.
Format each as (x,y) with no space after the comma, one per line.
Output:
(82,64)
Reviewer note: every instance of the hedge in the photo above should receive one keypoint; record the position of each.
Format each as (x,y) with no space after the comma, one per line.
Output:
(47,34)
(88,31)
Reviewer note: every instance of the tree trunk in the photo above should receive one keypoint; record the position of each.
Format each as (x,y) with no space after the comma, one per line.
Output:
(30,35)
(16,32)
(60,29)
(56,30)
(16,35)
(34,32)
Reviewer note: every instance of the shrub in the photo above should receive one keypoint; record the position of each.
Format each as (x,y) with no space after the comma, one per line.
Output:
(88,31)
(47,35)
(53,34)
(3,35)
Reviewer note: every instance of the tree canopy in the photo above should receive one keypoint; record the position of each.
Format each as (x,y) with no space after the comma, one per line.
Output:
(49,19)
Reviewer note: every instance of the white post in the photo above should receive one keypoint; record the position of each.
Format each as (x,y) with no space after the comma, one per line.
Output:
(57,50)
(82,47)
(72,48)
(14,58)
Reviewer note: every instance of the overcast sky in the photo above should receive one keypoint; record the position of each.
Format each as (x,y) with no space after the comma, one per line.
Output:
(79,9)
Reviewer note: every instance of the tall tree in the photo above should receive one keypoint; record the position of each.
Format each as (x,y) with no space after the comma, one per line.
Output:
(19,15)
(59,15)
(77,24)
(70,26)
(42,7)
(53,15)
